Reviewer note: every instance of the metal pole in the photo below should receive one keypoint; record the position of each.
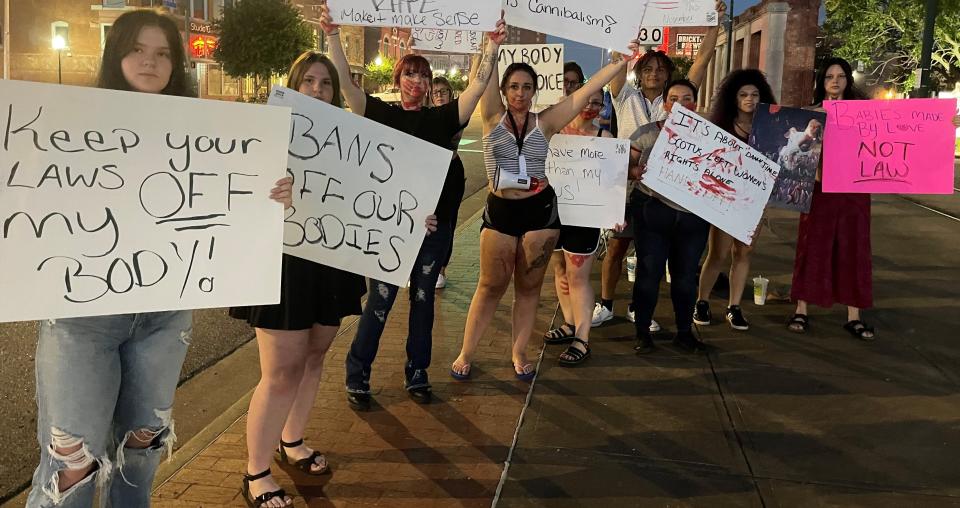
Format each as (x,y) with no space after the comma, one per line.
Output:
(730,38)
(928,27)
(59,67)
(6,39)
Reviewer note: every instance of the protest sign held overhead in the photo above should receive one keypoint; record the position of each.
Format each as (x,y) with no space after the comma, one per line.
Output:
(546,60)
(681,13)
(710,172)
(590,178)
(113,203)
(479,15)
(793,138)
(889,146)
(447,41)
(602,23)
(362,191)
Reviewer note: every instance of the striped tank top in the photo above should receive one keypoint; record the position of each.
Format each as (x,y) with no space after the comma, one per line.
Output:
(501,151)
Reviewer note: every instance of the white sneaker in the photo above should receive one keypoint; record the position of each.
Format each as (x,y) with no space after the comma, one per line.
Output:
(601,315)
(441,282)
(631,315)
(654,326)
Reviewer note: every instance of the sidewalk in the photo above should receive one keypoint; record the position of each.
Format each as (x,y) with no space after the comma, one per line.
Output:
(448,453)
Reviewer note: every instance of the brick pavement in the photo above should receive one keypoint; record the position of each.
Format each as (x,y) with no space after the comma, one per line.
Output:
(448,453)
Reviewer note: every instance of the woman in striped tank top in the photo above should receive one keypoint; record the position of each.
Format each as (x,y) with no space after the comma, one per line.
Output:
(520,222)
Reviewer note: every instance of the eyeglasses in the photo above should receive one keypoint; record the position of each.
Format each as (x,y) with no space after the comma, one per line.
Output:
(441,93)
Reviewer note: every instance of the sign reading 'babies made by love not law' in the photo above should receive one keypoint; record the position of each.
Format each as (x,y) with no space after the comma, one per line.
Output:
(710,172)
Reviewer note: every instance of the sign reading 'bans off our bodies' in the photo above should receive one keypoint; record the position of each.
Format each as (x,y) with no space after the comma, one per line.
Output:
(111,203)
(601,23)
(480,15)
(362,191)
(710,172)
(588,174)
(546,60)
(889,147)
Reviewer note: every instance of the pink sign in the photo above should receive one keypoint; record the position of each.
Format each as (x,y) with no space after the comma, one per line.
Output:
(889,147)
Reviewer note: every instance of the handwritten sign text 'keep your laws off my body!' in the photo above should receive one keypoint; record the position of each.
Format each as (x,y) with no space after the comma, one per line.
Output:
(889,147)
(111,203)
(362,191)
(479,15)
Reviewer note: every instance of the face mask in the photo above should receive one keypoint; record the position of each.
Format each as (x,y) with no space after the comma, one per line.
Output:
(589,114)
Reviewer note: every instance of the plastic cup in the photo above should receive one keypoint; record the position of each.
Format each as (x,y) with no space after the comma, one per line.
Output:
(760,290)
(631,268)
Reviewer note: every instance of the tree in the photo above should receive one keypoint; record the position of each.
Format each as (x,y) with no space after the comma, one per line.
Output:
(261,38)
(887,35)
(380,72)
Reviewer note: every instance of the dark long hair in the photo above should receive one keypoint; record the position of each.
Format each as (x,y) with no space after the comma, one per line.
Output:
(820,92)
(724,112)
(575,68)
(518,67)
(122,39)
(304,62)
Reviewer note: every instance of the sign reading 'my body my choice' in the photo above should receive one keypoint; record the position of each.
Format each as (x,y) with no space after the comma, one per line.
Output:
(710,172)
(362,191)
(546,60)
(889,147)
(111,203)
(480,15)
(587,173)
(601,23)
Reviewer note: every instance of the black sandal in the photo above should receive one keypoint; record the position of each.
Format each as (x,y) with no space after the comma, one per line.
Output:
(258,501)
(859,329)
(799,319)
(577,355)
(305,465)
(563,334)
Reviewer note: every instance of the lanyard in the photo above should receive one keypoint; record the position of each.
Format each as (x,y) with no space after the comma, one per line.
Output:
(518,133)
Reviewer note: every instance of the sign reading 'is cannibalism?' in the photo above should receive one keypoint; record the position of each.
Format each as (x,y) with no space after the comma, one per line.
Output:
(601,23)
(889,147)
(710,172)
(479,15)
(107,212)
(362,191)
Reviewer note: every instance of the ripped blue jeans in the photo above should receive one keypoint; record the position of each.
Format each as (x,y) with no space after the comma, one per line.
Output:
(380,298)
(100,381)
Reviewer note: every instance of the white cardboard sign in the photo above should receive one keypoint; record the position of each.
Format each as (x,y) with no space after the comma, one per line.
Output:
(481,15)
(590,177)
(362,191)
(119,202)
(546,60)
(447,41)
(681,13)
(710,172)
(602,23)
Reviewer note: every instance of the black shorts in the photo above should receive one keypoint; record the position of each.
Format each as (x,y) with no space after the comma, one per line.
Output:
(578,240)
(516,217)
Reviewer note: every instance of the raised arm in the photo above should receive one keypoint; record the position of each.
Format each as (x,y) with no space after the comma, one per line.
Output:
(491,104)
(699,68)
(559,115)
(354,95)
(619,80)
(485,69)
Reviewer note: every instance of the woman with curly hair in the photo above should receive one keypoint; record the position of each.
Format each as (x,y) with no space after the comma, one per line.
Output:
(737,99)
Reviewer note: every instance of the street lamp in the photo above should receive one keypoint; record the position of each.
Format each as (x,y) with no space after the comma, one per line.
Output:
(379,61)
(59,44)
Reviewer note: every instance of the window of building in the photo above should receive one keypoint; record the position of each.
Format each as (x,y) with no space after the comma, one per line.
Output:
(199,9)
(104,30)
(61,28)
(738,54)
(755,50)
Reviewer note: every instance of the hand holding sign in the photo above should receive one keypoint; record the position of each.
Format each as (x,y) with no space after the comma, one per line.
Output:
(444,14)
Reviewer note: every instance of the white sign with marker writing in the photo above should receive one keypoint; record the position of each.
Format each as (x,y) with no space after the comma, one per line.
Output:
(602,23)
(590,177)
(447,41)
(362,191)
(681,13)
(480,15)
(546,60)
(111,203)
(710,172)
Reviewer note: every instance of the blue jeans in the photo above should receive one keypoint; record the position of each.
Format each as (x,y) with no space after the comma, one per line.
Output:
(662,233)
(100,380)
(380,298)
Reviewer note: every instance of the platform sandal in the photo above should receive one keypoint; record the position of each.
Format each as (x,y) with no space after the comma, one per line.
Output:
(305,465)
(257,502)
(576,356)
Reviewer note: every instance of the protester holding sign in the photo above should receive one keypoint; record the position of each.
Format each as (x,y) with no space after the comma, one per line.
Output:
(105,384)
(437,125)
(635,104)
(442,94)
(737,99)
(294,335)
(521,220)
(664,230)
(834,259)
